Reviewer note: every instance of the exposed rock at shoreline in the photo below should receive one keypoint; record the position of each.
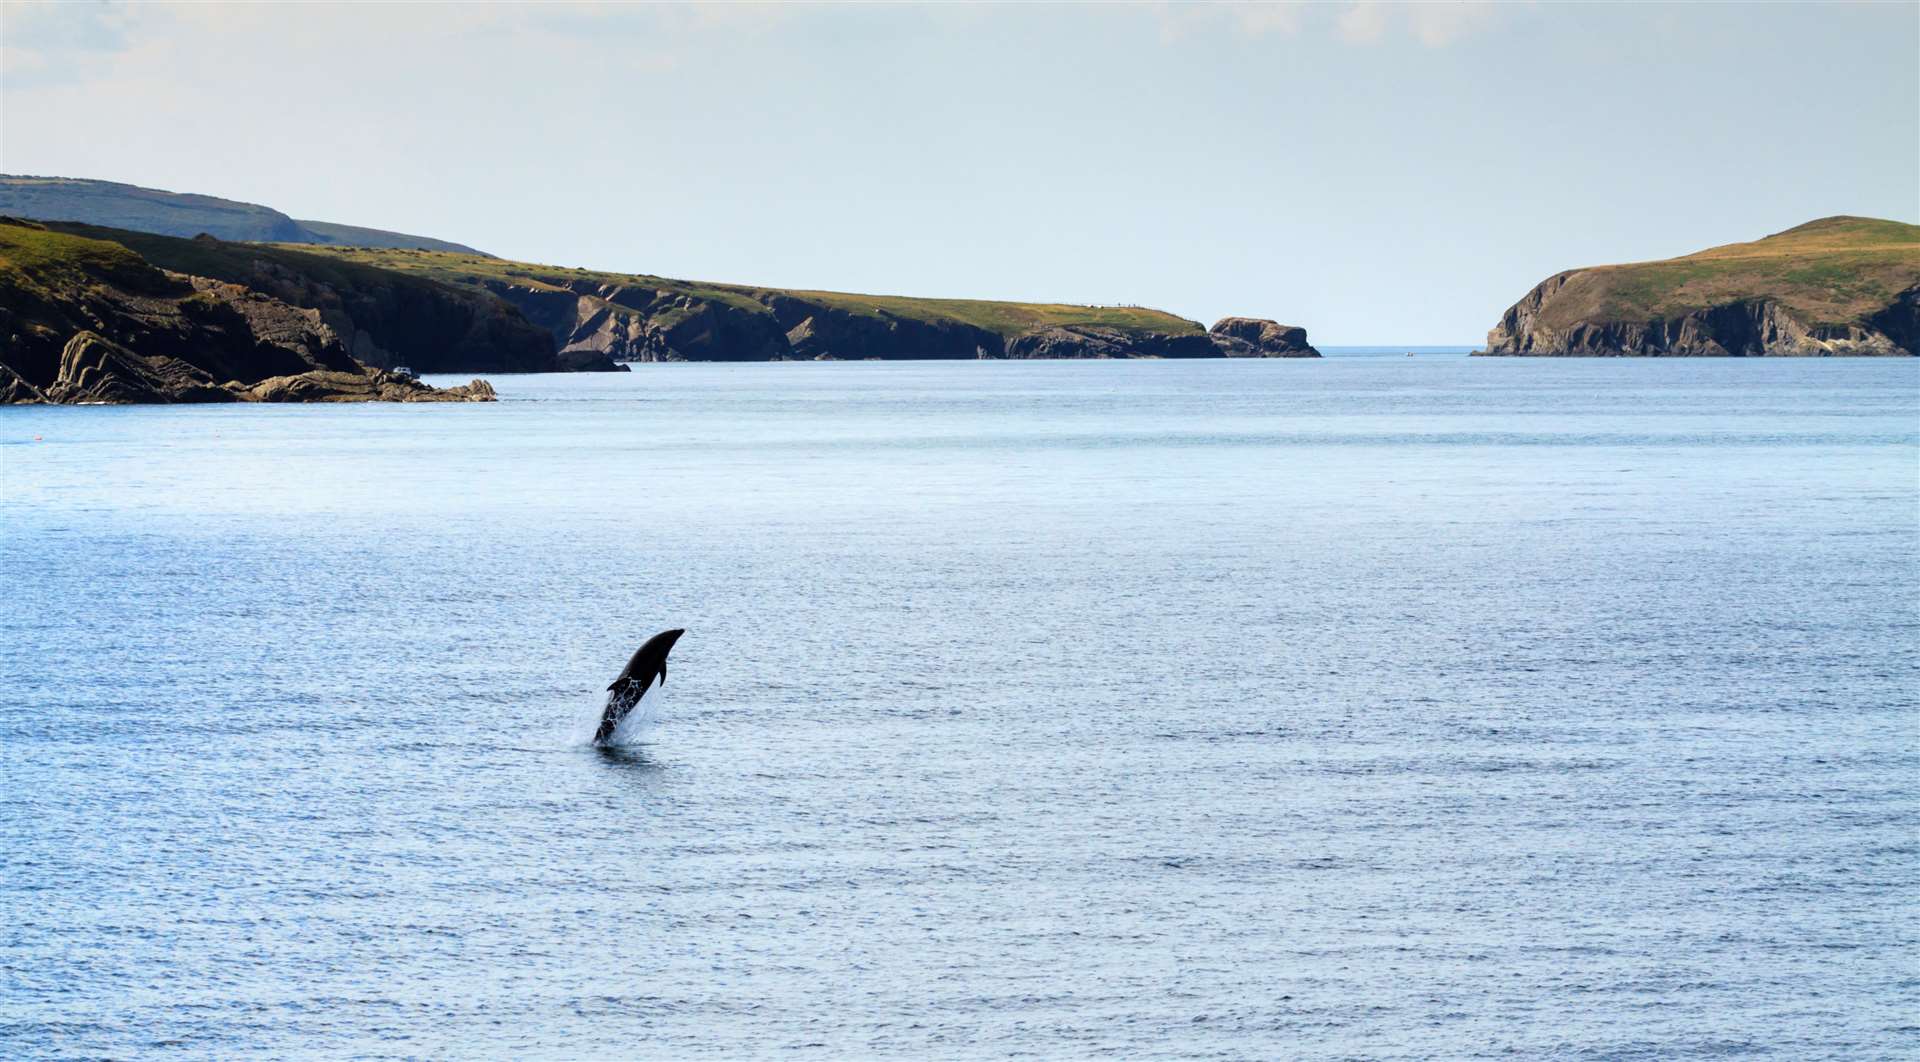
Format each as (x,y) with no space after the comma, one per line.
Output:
(1253,337)
(373,385)
(1838,286)
(89,321)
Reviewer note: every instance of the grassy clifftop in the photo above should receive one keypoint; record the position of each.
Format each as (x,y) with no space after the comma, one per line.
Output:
(1834,271)
(44,263)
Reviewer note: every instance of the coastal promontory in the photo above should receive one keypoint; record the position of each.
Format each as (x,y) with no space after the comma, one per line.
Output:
(644,318)
(1837,286)
(395,299)
(86,321)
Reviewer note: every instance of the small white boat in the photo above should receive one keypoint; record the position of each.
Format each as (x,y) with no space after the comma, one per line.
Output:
(404,370)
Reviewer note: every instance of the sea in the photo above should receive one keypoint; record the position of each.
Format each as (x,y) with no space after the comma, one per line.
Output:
(1371,707)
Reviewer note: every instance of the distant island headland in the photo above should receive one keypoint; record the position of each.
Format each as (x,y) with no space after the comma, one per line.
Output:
(1836,286)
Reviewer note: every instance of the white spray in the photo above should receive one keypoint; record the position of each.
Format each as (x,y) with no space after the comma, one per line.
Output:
(632,729)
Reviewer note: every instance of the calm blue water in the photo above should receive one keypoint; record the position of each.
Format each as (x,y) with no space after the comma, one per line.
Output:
(1357,708)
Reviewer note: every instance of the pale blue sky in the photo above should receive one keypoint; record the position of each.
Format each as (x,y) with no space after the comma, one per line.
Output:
(1378,173)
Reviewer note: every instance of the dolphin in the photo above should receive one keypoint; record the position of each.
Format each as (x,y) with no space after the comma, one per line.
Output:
(649,661)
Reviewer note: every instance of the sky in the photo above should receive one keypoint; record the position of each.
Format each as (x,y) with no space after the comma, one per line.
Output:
(1379,173)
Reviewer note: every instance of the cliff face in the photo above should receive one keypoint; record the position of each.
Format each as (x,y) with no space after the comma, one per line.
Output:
(815,330)
(385,318)
(634,322)
(1745,328)
(1253,337)
(90,321)
(628,317)
(389,320)
(592,322)
(1839,286)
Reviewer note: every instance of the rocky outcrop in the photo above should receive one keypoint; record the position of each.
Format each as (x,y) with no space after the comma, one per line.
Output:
(372,385)
(15,391)
(1756,327)
(95,370)
(1254,337)
(86,321)
(1082,341)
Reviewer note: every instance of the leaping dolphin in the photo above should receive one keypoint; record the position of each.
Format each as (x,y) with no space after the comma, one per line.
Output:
(649,661)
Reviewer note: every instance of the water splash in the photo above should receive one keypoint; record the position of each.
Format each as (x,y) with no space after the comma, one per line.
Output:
(634,729)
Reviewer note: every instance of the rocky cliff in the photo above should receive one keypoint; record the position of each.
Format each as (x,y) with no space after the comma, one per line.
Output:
(1838,286)
(640,322)
(632,323)
(384,317)
(85,321)
(628,317)
(594,320)
(816,329)
(636,322)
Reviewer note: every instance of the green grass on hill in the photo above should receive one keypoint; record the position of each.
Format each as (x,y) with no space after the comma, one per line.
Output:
(1005,318)
(1832,271)
(234,262)
(1010,318)
(33,257)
